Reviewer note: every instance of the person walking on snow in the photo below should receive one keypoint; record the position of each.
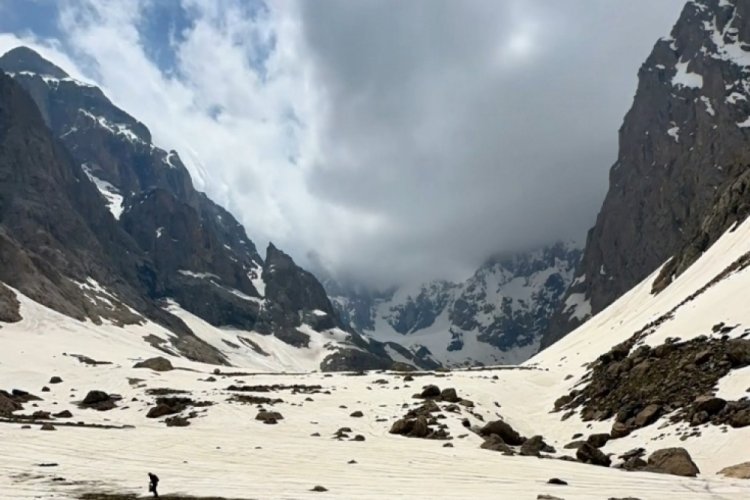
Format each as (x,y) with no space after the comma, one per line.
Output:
(153,483)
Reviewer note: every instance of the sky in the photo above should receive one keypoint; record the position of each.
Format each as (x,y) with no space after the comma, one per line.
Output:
(388,142)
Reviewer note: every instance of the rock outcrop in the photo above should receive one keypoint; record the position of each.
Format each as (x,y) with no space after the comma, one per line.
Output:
(638,385)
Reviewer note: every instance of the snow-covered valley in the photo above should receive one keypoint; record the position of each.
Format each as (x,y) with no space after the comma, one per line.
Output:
(225,451)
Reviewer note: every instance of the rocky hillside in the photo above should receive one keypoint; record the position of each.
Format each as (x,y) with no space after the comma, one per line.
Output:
(496,316)
(99,223)
(680,173)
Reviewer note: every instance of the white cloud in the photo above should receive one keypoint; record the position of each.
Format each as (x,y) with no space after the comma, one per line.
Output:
(242,130)
(397,140)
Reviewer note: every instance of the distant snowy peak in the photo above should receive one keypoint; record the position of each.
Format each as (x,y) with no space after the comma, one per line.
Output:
(495,316)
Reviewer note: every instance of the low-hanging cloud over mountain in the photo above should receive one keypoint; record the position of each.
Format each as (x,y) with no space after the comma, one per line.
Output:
(392,140)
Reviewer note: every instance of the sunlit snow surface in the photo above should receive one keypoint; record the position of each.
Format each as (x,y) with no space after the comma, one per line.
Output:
(226,452)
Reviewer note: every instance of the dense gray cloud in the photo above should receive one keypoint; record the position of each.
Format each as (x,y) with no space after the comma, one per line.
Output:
(392,141)
(473,127)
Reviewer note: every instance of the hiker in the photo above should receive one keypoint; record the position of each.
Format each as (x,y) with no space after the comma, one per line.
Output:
(153,483)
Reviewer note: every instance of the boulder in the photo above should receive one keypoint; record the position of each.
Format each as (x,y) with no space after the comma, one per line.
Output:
(158,364)
(709,404)
(598,440)
(674,461)
(534,446)
(594,456)
(402,426)
(7,405)
(269,417)
(160,410)
(63,414)
(496,443)
(357,414)
(740,418)
(739,471)
(619,430)
(48,427)
(648,415)
(562,401)
(449,394)
(177,421)
(738,352)
(699,418)
(504,430)
(98,400)
(420,428)
(557,481)
(55,380)
(430,391)
(634,463)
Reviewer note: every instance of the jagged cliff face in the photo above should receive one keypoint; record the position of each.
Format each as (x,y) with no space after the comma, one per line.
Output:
(91,207)
(496,316)
(682,142)
(58,244)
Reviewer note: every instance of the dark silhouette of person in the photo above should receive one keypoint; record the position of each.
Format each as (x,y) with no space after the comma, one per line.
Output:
(153,483)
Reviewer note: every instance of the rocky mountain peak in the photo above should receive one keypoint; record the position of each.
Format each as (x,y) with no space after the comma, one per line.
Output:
(25,59)
(681,143)
(92,212)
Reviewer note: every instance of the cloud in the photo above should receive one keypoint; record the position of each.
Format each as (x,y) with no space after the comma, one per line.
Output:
(394,141)
(473,127)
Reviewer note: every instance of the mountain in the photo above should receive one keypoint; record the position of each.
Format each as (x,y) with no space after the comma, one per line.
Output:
(496,316)
(100,224)
(682,155)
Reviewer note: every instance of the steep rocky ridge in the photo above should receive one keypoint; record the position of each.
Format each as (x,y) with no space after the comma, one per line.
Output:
(162,239)
(682,142)
(58,243)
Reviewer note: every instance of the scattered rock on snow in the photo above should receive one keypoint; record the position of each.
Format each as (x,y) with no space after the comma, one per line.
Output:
(494,442)
(449,395)
(7,404)
(674,461)
(594,456)
(504,431)
(158,364)
(177,421)
(534,446)
(739,471)
(269,417)
(430,392)
(598,440)
(98,400)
